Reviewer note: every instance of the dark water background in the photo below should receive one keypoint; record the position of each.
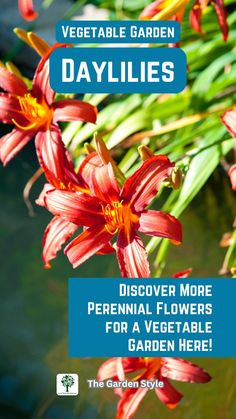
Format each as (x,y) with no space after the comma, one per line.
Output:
(33,310)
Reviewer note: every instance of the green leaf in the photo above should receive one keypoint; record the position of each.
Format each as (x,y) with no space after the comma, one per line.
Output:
(200,169)
(204,80)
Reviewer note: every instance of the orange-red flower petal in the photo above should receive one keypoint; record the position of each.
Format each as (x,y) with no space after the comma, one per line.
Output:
(77,208)
(41,87)
(229,120)
(197,11)
(181,370)
(56,162)
(143,185)
(10,109)
(132,256)
(168,394)
(51,150)
(151,9)
(74,110)
(12,143)
(41,198)
(87,167)
(109,368)
(182,274)
(130,402)
(26,10)
(87,244)
(232,175)
(56,234)
(195,16)
(157,223)
(222,17)
(11,83)
(104,184)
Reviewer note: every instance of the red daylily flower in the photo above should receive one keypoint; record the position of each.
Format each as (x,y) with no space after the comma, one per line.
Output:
(229,120)
(35,114)
(174,10)
(232,175)
(59,230)
(111,210)
(26,10)
(162,369)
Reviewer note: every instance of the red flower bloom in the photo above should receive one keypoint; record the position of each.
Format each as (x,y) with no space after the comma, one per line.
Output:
(59,230)
(162,369)
(26,10)
(174,10)
(35,114)
(229,120)
(232,175)
(109,210)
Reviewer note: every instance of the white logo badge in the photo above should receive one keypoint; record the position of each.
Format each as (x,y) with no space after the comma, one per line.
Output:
(67,384)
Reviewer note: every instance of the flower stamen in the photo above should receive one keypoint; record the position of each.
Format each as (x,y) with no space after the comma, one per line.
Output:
(114,215)
(30,107)
(37,114)
(25,128)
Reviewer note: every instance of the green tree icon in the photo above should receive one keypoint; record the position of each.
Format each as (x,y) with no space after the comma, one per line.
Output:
(67,381)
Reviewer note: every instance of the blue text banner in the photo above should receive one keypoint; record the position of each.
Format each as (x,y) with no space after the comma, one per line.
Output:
(118,70)
(170,317)
(102,31)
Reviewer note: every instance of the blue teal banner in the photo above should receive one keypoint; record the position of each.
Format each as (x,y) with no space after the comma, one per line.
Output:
(118,70)
(102,31)
(152,317)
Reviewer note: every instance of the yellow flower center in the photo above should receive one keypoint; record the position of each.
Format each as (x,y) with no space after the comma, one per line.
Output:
(152,366)
(117,216)
(37,114)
